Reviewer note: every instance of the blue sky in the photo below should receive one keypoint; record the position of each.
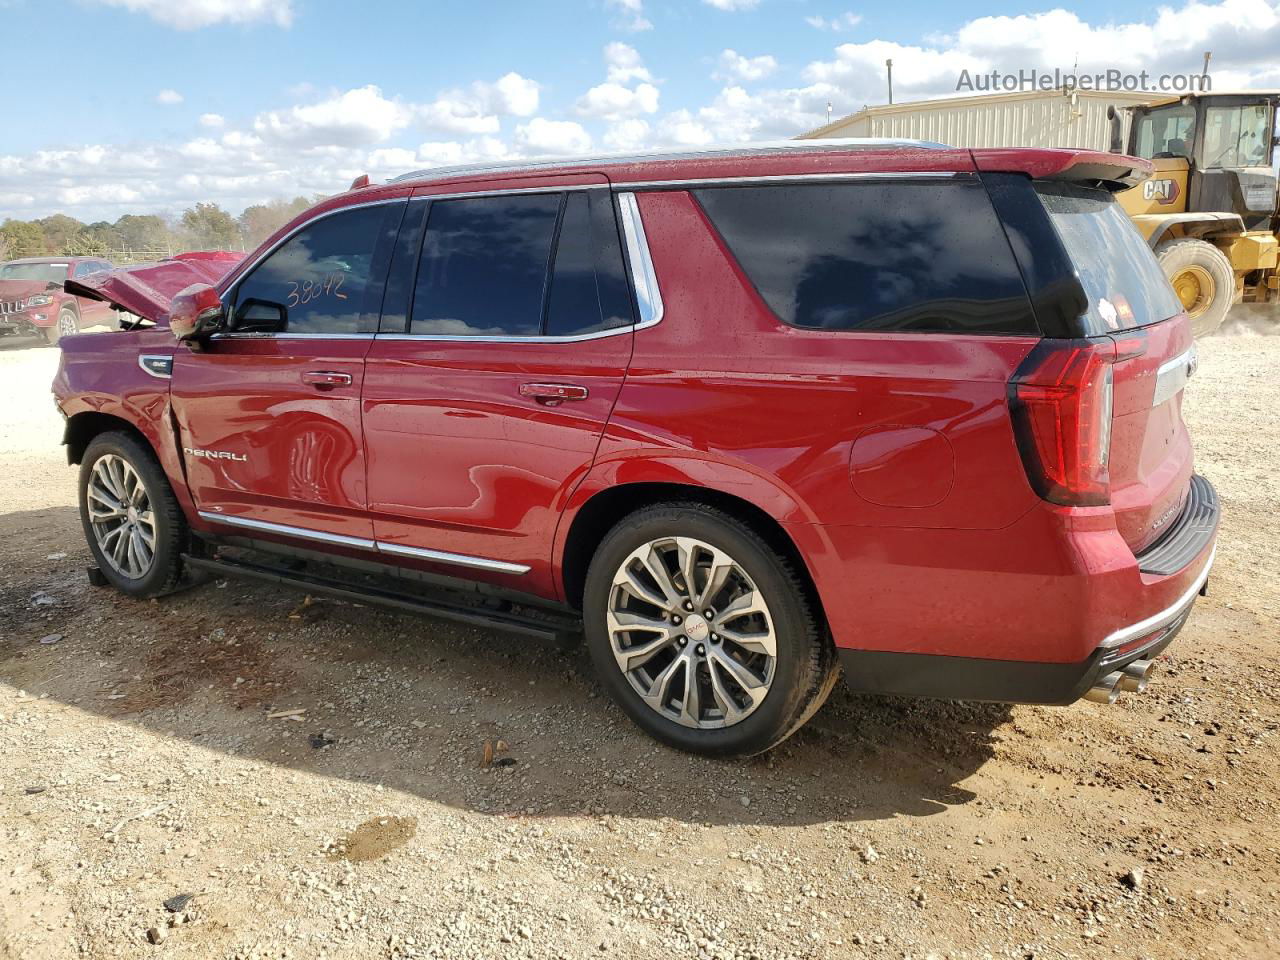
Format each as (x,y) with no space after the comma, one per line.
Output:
(142,105)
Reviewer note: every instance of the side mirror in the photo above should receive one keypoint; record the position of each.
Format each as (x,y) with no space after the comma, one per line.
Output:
(52,285)
(196,312)
(259,316)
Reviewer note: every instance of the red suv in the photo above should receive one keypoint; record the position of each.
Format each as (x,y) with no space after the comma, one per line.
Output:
(34,303)
(741,416)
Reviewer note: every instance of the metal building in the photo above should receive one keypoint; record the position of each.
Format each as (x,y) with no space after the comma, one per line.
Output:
(1051,118)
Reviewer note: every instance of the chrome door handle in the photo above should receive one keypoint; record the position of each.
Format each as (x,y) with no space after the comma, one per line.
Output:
(326,378)
(553,394)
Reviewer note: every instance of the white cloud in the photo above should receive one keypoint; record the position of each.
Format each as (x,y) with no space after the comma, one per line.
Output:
(194,14)
(837,24)
(631,15)
(354,118)
(549,137)
(624,64)
(613,100)
(212,120)
(629,134)
(476,109)
(734,66)
(731,5)
(169,97)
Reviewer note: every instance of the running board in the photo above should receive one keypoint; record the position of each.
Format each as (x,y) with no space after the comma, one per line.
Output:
(549,627)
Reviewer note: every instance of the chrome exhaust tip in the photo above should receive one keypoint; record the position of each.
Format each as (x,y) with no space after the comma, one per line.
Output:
(1106,689)
(1135,676)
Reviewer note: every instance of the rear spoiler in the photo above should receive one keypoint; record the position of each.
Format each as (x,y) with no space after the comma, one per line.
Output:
(1110,171)
(147,289)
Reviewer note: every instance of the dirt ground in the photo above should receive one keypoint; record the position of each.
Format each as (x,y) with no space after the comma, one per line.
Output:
(140,760)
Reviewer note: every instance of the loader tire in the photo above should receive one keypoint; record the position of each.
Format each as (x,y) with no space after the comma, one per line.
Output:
(1202,279)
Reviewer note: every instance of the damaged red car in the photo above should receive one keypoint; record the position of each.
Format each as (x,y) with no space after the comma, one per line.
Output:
(745,419)
(34,303)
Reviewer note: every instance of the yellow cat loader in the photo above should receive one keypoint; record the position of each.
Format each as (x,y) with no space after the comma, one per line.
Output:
(1211,210)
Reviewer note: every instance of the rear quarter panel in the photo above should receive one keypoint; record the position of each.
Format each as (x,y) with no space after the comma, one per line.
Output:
(725,392)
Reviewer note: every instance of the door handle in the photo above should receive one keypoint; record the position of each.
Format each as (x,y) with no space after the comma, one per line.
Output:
(553,394)
(326,378)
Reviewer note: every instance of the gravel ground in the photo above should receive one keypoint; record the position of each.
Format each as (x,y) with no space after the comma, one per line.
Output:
(141,761)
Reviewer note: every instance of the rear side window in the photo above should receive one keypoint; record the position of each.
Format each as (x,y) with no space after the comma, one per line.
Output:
(521,266)
(912,256)
(1124,283)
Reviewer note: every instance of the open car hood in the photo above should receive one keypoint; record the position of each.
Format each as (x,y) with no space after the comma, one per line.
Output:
(147,289)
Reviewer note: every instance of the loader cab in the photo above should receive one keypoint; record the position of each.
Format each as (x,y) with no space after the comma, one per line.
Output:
(1212,153)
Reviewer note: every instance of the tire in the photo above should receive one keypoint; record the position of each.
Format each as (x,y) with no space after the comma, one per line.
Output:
(1203,280)
(68,324)
(727,718)
(101,479)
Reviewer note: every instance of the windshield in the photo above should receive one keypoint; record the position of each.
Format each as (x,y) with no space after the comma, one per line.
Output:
(1166,132)
(1237,136)
(1125,286)
(56,272)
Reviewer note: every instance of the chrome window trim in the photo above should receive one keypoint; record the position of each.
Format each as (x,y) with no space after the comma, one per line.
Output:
(167,357)
(260,335)
(457,559)
(1173,375)
(394,549)
(503,191)
(644,279)
(1166,616)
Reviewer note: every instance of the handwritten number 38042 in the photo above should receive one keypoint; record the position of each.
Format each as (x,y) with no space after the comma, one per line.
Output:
(330,285)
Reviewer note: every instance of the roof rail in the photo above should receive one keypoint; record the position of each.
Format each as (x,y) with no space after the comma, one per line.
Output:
(677,153)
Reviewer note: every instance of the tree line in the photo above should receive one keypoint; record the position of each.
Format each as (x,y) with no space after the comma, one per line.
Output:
(205,226)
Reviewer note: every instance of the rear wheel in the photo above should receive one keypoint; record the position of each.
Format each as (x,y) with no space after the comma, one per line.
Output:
(1202,277)
(702,633)
(131,519)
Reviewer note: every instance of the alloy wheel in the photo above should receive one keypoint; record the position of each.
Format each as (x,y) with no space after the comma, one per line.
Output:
(691,632)
(121,516)
(67,325)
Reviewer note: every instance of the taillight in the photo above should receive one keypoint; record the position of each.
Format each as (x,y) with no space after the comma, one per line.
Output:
(1061,404)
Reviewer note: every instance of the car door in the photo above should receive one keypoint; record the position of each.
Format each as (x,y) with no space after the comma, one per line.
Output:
(268,411)
(505,339)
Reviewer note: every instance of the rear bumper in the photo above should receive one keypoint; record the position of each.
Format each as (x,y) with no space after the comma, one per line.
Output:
(1003,681)
(1061,603)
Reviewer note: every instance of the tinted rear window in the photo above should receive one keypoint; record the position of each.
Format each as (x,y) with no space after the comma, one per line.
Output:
(914,256)
(1124,283)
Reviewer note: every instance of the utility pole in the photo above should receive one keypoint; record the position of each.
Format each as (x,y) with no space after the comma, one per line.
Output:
(828,112)
(889,69)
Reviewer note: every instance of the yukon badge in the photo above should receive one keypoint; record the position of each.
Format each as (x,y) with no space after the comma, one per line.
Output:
(215,454)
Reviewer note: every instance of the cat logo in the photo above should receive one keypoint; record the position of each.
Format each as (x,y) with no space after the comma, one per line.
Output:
(1162,191)
(215,454)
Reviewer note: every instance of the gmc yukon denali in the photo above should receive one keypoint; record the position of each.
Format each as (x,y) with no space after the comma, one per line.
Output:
(744,418)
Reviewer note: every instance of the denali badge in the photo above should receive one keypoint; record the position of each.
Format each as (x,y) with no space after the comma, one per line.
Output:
(214,454)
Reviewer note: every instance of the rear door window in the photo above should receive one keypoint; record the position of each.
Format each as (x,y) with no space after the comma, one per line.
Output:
(910,256)
(521,265)
(1124,283)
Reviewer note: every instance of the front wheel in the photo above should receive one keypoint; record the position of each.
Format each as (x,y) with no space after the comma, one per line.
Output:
(67,325)
(702,633)
(131,519)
